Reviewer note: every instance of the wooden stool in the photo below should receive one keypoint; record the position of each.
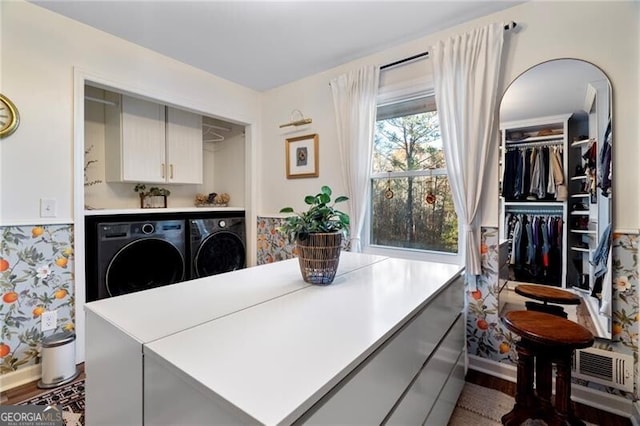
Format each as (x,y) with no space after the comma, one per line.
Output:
(546,339)
(547,295)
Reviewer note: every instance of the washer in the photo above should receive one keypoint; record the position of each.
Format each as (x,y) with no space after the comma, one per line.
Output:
(217,245)
(135,256)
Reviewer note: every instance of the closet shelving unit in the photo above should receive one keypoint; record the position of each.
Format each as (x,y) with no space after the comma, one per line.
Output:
(590,132)
(535,133)
(583,239)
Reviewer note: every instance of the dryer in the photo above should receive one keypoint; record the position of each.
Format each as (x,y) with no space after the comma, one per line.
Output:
(217,245)
(135,256)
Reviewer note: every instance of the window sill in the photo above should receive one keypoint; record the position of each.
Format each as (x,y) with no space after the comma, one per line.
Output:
(426,256)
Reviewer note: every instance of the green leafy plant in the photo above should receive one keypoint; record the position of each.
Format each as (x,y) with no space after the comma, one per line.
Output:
(321,217)
(153,191)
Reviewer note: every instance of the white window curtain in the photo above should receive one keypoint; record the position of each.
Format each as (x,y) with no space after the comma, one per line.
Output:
(466,74)
(354,102)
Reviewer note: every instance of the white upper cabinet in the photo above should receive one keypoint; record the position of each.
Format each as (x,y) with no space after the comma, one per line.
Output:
(184,146)
(135,141)
(141,146)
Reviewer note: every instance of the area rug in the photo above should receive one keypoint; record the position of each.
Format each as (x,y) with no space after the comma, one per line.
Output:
(480,406)
(70,397)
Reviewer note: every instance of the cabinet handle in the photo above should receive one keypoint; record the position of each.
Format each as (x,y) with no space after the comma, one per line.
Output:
(162,170)
(171,168)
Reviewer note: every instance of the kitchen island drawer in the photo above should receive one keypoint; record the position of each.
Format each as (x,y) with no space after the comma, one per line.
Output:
(372,389)
(443,408)
(425,391)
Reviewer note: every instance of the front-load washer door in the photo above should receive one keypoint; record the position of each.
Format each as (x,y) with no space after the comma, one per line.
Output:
(144,264)
(219,252)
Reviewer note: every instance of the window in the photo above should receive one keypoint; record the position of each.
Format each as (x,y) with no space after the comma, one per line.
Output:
(411,207)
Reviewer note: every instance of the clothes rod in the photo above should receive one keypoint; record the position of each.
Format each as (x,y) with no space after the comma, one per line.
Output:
(521,210)
(100,101)
(509,26)
(213,126)
(516,145)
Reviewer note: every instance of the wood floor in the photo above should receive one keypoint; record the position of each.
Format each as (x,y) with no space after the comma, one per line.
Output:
(584,412)
(30,390)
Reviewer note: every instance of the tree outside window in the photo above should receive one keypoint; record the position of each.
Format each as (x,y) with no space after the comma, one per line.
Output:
(409,164)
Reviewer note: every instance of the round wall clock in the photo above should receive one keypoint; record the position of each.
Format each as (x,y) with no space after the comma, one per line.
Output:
(9,117)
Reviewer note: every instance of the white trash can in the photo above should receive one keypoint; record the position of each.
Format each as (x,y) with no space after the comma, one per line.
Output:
(58,359)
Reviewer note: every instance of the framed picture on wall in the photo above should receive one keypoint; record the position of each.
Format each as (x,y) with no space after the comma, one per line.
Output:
(302,156)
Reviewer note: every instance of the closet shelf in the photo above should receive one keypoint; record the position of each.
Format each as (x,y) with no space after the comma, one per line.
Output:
(535,139)
(585,195)
(580,213)
(583,231)
(582,290)
(581,142)
(584,250)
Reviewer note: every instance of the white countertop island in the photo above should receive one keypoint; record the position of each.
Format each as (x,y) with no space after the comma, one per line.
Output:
(260,346)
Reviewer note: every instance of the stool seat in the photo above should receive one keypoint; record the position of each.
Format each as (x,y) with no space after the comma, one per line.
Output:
(543,307)
(547,294)
(545,339)
(547,329)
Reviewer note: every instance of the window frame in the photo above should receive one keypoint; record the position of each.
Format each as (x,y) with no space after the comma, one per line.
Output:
(387,97)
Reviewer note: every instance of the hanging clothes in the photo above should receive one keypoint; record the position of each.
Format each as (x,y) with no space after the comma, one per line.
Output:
(509,175)
(533,174)
(536,248)
(534,186)
(601,254)
(604,168)
(561,190)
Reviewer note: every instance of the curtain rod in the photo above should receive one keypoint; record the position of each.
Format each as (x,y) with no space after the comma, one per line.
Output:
(509,26)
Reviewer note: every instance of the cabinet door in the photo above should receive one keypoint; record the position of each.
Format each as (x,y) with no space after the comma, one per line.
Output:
(143,141)
(184,147)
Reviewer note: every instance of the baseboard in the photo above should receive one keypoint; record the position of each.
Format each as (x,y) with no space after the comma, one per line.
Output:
(602,401)
(20,377)
(593,398)
(492,368)
(635,414)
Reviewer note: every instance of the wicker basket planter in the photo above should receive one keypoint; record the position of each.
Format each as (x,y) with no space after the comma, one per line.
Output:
(319,256)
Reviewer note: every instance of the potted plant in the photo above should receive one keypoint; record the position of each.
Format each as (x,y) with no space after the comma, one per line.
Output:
(152,192)
(318,234)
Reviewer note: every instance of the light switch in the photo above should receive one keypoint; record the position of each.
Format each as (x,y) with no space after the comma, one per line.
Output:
(47,207)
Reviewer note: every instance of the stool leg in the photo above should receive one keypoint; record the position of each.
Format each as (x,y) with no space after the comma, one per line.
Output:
(525,406)
(564,409)
(544,384)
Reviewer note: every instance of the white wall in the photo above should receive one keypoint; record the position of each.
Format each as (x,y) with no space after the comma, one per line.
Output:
(40,51)
(227,177)
(45,61)
(604,33)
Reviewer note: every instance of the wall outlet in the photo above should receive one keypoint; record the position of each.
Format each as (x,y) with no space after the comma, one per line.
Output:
(47,207)
(49,320)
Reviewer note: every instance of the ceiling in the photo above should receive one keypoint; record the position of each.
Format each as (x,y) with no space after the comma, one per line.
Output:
(265,44)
